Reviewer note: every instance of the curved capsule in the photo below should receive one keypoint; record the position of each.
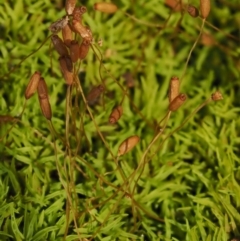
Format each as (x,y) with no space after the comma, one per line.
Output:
(94,93)
(205,7)
(69,6)
(105,7)
(84,48)
(177,102)
(193,11)
(81,30)
(59,45)
(217,96)
(67,35)
(116,114)
(128,144)
(74,49)
(174,88)
(43,99)
(64,65)
(32,85)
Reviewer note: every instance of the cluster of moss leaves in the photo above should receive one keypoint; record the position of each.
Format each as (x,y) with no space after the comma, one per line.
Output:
(192,181)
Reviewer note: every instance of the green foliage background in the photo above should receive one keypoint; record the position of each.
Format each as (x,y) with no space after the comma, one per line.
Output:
(193,180)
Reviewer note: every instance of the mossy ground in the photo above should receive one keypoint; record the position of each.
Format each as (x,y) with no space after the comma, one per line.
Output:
(68,186)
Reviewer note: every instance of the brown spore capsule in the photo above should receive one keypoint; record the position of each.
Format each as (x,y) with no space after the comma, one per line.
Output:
(83,49)
(174,4)
(69,6)
(64,66)
(78,12)
(59,45)
(81,30)
(177,102)
(116,114)
(217,96)
(105,7)
(173,88)
(94,93)
(67,35)
(193,11)
(205,7)
(74,50)
(32,85)
(69,63)
(43,99)
(128,144)
(58,25)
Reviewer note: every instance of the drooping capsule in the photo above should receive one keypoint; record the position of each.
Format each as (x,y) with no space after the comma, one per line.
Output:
(59,45)
(205,7)
(217,96)
(105,7)
(67,75)
(81,30)
(116,114)
(43,99)
(58,25)
(128,144)
(83,49)
(94,93)
(67,35)
(74,51)
(173,88)
(69,6)
(177,102)
(32,85)
(193,11)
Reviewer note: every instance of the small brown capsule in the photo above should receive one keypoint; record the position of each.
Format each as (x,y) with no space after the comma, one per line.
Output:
(174,88)
(67,35)
(69,6)
(78,12)
(205,7)
(193,11)
(94,93)
(58,25)
(42,89)
(116,114)
(217,96)
(32,85)
(80,29)
(43,99)
(67,75)
(127,145)
(105,7)
(74,51)
(59,45)
(46,108)
(69,63)
(83,49)
(177,102)
(174,4)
